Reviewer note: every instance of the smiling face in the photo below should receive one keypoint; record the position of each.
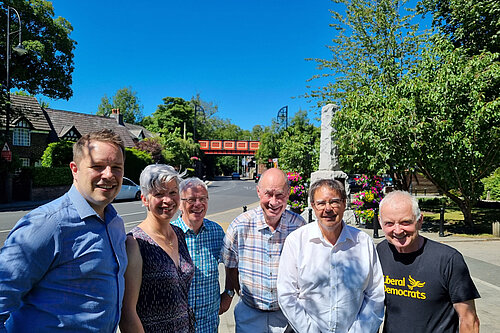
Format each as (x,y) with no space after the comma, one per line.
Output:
(194,206)
(400,225)
(329,209)
(163,203)
(273,192)
(98,174)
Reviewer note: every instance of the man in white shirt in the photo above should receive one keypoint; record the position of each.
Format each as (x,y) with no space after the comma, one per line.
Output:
(329,276)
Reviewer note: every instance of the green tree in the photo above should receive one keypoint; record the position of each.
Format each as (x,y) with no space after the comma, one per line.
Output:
(442,118)
(473,25)
(126,101)
(48,66)
(171,115)
(374,42)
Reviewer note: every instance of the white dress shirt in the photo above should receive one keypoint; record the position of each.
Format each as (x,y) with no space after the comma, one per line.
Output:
(331,288)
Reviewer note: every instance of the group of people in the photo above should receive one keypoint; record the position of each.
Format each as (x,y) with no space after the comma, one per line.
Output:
(69,266)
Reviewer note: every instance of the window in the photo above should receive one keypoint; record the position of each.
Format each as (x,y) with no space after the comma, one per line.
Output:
(25,162)
(71,136)
(22,134)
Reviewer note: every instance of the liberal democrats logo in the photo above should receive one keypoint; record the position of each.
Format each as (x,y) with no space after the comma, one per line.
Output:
(406,290)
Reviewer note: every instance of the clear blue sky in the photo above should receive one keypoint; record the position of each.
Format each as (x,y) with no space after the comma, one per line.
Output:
(246,56)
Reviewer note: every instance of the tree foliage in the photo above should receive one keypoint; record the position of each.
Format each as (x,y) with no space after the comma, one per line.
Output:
(48,66)
(58,154)
(171,116)
(375,42)
(126,101)
(472,25)
(297,147)
(443,118)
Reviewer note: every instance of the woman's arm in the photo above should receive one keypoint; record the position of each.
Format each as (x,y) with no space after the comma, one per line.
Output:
(129,321)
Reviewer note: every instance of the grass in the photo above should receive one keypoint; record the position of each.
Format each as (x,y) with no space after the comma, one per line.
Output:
(454,221)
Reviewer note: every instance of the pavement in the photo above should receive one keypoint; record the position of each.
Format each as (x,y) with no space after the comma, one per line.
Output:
(482,255)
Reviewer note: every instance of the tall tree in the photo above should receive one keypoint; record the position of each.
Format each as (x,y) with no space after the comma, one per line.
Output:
(374,41)
(48,66)
(473,25)
(127,101)
(174,113)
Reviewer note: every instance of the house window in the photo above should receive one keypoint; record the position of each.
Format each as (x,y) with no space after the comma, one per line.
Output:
(71,136)
(25,162)
(22,134)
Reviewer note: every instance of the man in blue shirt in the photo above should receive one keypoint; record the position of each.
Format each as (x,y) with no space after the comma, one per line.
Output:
(62,265)
(204,239)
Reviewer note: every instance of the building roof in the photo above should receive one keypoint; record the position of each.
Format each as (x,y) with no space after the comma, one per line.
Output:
(26,107)
(62,121)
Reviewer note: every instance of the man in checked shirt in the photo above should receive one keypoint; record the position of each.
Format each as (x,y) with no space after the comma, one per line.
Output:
(251,254)
(204,240)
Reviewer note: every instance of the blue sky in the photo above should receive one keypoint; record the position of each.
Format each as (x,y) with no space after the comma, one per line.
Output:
(246,56)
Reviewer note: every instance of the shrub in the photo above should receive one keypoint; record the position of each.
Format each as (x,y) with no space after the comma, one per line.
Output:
(135,162)
(492,185)
(58,154)
(42,176)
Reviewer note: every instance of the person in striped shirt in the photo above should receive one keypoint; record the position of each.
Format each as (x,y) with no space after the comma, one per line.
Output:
(251,254)
(204,240)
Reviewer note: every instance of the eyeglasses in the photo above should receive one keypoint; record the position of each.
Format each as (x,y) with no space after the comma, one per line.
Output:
(334,203)
(191,201)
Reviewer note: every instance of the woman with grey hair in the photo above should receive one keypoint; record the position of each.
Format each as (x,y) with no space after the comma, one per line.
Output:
(159,270)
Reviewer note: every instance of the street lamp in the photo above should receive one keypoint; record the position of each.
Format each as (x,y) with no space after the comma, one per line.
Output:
(20,50)
(196,109)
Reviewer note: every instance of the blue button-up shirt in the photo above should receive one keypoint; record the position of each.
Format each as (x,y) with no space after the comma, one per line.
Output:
(61,269)
(204,293)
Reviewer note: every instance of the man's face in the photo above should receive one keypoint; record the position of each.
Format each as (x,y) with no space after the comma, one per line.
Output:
(163,203)
(329,208)
(400,226)
(99,173)
(273,193)
(194,205)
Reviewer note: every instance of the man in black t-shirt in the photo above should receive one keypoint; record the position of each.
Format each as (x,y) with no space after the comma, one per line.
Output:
(427,284)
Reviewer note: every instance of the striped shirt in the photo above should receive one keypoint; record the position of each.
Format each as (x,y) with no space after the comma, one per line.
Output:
(255,250)
(204,293)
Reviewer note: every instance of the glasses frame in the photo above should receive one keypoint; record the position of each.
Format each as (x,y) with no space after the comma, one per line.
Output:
(192,201)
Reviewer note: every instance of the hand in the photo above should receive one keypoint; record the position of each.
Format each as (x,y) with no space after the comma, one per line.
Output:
(225,303)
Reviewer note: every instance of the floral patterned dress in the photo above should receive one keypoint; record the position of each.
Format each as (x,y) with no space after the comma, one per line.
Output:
(163,298)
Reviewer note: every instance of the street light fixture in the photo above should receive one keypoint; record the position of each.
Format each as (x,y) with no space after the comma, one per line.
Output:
(21,51)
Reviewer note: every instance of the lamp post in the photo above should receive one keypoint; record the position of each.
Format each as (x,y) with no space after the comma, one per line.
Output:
(20,50)
(196,109)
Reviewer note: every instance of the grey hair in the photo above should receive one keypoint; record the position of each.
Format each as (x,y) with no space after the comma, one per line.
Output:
(333,184)
(154,176)
(395,195)
(190,183)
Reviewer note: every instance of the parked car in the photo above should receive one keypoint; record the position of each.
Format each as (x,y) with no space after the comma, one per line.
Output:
(257,177)
(130,190)
(235,175)
(353,186)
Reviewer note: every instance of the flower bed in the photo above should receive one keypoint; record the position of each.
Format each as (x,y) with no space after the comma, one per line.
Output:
(367,200)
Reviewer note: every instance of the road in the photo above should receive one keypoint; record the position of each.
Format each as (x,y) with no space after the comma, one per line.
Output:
(224,193)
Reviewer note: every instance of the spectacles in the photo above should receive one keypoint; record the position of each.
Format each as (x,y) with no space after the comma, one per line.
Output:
(191,201)
(334,203)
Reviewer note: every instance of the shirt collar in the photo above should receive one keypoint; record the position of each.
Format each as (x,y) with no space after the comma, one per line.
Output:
(186,229)
(85,210)
(262,224)
(345,234)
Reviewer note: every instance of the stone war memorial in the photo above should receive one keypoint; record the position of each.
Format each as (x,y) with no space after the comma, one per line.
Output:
(328,159)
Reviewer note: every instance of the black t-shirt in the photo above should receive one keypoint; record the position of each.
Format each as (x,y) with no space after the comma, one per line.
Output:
(421,287)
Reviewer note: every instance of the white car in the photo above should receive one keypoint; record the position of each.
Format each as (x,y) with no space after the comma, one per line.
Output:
(130,190)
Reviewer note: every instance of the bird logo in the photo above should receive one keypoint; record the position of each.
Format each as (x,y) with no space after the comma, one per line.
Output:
(414,283)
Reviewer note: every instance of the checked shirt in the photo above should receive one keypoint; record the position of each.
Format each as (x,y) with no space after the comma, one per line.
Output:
(204,293)
(255,250)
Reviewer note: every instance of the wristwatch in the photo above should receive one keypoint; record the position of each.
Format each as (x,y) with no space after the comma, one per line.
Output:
(230,293)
